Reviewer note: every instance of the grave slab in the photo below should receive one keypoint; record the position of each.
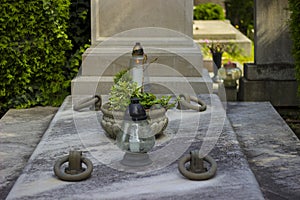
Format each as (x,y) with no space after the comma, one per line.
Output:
(20,132)
(271,147)
(209,130)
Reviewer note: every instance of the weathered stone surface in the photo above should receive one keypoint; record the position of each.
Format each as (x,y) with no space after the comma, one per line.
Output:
(271,147)
(279,93)
(163,27)
(20,132)
(110,17)
(209,130)
(279,72)
(271,77)
(272,37)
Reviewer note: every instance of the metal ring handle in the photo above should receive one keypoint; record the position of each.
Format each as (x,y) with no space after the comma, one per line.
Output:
(89,101)
(185,103)
(73,177)
(197,176)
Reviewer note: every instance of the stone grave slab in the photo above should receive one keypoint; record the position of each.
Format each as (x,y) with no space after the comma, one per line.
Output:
(271,147)
(20,132)
(162,180)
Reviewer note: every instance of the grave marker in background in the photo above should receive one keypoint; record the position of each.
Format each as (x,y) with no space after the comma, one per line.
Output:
(272,76)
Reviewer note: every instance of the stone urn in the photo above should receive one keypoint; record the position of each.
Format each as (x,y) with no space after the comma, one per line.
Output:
(112,121)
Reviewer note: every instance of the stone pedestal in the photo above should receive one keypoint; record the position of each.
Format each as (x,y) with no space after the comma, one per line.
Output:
(230,93)
(163,27)
(272,76)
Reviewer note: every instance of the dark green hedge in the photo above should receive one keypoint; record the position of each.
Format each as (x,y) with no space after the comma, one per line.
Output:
(241,15)
(208,11)
(79,32)
(41,42)
(294,6)
(33,43)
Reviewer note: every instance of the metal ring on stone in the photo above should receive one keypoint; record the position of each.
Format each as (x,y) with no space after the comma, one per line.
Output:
(185,103)
(197,176)
(89,101)
(73,177)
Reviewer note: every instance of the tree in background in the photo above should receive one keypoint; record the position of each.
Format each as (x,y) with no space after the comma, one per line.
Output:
(241,15)
(208,11)
(294,7)
(79,32)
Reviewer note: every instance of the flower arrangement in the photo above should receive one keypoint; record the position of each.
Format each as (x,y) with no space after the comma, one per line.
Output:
(215,47)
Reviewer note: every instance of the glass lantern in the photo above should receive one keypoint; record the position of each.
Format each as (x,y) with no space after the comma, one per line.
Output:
(230,73)
(136,137)
(136,64)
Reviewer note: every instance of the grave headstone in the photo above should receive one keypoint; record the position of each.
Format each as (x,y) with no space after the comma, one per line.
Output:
(272,76)
(163,27)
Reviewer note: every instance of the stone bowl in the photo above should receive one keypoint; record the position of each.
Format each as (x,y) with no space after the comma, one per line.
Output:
(112,121)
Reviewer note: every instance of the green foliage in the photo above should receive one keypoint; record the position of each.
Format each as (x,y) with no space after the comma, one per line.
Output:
(122,75)
(124,89)
(232,53)
(241,15)
(41,43)
(33,43)
(208,11)
(148,99)
(121,93)
(294,7)
(79,32)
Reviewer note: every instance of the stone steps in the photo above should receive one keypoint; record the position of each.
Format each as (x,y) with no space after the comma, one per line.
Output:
(86,85)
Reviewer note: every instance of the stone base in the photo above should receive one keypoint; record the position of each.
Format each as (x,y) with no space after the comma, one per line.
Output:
(178,68)
(279,93)
(274,82)
(230,92)
(90,85)
(276,72)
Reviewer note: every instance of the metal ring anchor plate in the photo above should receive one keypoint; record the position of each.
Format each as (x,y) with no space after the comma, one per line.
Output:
(184,103)
(193,175)
(74,172)
(95,101)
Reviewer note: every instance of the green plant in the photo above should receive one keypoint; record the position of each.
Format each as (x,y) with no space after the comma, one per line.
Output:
(233,54)
(124,89)
(41,44)
(294,7)
(218,47)
(208,11)
(33,44)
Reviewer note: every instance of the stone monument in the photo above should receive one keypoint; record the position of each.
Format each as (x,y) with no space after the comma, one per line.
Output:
(272,76)
(165,34)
